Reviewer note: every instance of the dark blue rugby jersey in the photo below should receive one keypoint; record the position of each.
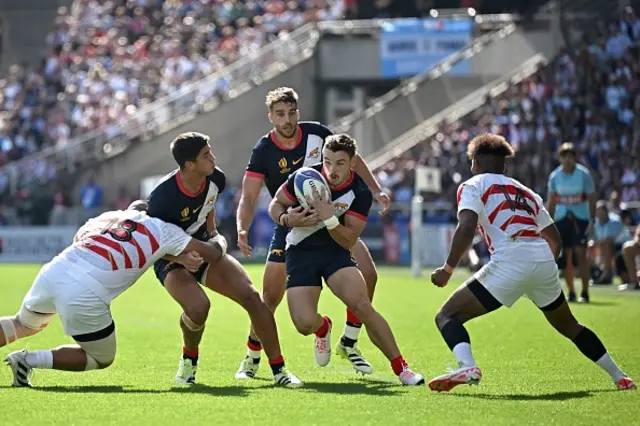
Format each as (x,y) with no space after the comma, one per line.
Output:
(351,198)
(274,163)
(171,202)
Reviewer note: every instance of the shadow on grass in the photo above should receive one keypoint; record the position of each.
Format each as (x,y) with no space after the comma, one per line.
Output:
(556,396)
(363,386)
(198,389)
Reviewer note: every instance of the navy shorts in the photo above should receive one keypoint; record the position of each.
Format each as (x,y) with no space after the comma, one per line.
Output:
(163,267)
(278,243)
(307,268)
(573,231)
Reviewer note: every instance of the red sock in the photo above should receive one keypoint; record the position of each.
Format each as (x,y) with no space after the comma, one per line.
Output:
(352,318)
(398,364)
(279,360)
(324,328)
(190,354)
(254,345)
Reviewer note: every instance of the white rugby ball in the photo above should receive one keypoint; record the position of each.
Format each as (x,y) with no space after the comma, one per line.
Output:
(305,180)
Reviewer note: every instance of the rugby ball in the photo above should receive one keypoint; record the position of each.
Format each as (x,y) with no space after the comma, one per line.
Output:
(305,180)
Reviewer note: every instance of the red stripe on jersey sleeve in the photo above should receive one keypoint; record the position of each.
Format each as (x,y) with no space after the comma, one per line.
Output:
(459,194)
(357,215)
(287,193)
(249,173)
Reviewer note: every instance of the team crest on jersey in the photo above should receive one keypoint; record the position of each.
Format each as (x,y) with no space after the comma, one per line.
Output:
(314,153)
(340,207)
(184,214)
(283,166)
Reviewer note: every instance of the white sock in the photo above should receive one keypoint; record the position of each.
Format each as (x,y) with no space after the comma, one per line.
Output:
(40,359)
(351,332)
(608,365)
(462,352)
(253,354)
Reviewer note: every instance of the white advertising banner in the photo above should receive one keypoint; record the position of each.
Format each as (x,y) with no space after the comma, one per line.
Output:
(34,244)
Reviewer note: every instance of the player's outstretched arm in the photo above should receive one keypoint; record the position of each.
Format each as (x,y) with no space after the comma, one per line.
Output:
(251,186)
(460,244)
(363,170)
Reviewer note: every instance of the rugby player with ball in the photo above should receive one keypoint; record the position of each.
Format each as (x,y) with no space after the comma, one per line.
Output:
(338,201)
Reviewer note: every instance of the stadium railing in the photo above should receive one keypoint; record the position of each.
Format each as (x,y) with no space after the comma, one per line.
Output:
(428,129)
(414,100)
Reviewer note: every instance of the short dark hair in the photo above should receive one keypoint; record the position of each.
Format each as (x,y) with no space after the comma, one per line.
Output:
(341,142)
(139,205)
(567,148)
(186,147)
(281,94)
(489,144)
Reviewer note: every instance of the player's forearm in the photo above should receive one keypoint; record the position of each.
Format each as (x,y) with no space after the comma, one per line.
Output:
(460,244)
(362,169)
(344,236)
(276,210)
(245,214)
(212,230)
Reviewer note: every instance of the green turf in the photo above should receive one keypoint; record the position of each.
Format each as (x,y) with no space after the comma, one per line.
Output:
(531,375)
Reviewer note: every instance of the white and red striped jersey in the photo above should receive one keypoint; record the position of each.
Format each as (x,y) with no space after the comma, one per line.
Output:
(110,252)
(510,217)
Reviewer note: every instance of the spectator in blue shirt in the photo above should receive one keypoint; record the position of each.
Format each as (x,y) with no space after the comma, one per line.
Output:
(610,234)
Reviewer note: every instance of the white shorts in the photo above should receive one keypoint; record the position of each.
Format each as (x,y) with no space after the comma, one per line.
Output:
(80,310)
(508,281)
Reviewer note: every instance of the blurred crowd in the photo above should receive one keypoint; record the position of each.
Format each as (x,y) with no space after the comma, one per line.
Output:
(589,97)
(106,59)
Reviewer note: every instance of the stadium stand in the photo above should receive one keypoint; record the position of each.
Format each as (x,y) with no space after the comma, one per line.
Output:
(108,59)
(588,96)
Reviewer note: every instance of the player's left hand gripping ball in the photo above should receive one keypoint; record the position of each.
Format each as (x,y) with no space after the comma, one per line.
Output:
(383,199)
(440,277)
(321,203)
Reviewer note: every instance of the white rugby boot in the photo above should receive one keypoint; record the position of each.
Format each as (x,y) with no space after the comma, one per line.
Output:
(186,374)
(323,348)
(248,368)
(408,377)
(287,379)
(460,376)
(357,360)
(21,370)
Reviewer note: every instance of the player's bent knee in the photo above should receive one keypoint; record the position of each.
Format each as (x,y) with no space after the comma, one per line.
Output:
(198,311)
(250,298)
(101,353)
(305,324)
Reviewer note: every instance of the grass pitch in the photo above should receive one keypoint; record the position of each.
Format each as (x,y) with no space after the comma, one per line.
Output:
(531,374)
